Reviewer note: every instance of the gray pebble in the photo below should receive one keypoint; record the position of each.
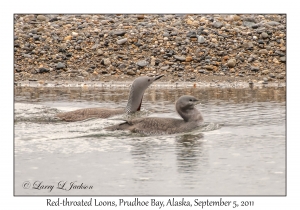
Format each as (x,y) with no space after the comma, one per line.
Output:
(142,63)
(264,35)
(166,34)
(60,65)
(272,75)
(263,51)
(42,70)
(41,18)
(218,24)
(273,23)
(280,76)
(282,59)
(122,41)
(120,33)
(164,67)
(180,58)
(201,39)
(95,46)
(280,53)
(106,61)
(248,24)
(85,74)
(231,63)
(131,72)
(254,68)
(99,52)
(265,72)
(26,56)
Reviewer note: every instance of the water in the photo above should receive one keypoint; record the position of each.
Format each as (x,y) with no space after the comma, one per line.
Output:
(242,151)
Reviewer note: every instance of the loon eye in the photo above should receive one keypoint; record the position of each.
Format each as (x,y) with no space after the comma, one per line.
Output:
(148,80)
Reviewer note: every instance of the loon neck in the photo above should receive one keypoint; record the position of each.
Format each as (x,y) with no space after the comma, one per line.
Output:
(189,115)
(134,100)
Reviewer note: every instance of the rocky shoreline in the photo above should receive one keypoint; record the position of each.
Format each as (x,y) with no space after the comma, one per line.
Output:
(211,48)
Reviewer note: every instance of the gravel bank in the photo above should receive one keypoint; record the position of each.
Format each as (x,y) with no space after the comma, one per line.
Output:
(51,49)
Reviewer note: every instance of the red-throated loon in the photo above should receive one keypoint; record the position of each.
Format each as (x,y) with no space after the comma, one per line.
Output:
(137,90)
(185,107)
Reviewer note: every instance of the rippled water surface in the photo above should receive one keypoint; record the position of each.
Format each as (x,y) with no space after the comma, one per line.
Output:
(242,151)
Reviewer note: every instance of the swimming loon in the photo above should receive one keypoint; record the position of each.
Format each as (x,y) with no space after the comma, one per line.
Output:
(134,103)
(185,107)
